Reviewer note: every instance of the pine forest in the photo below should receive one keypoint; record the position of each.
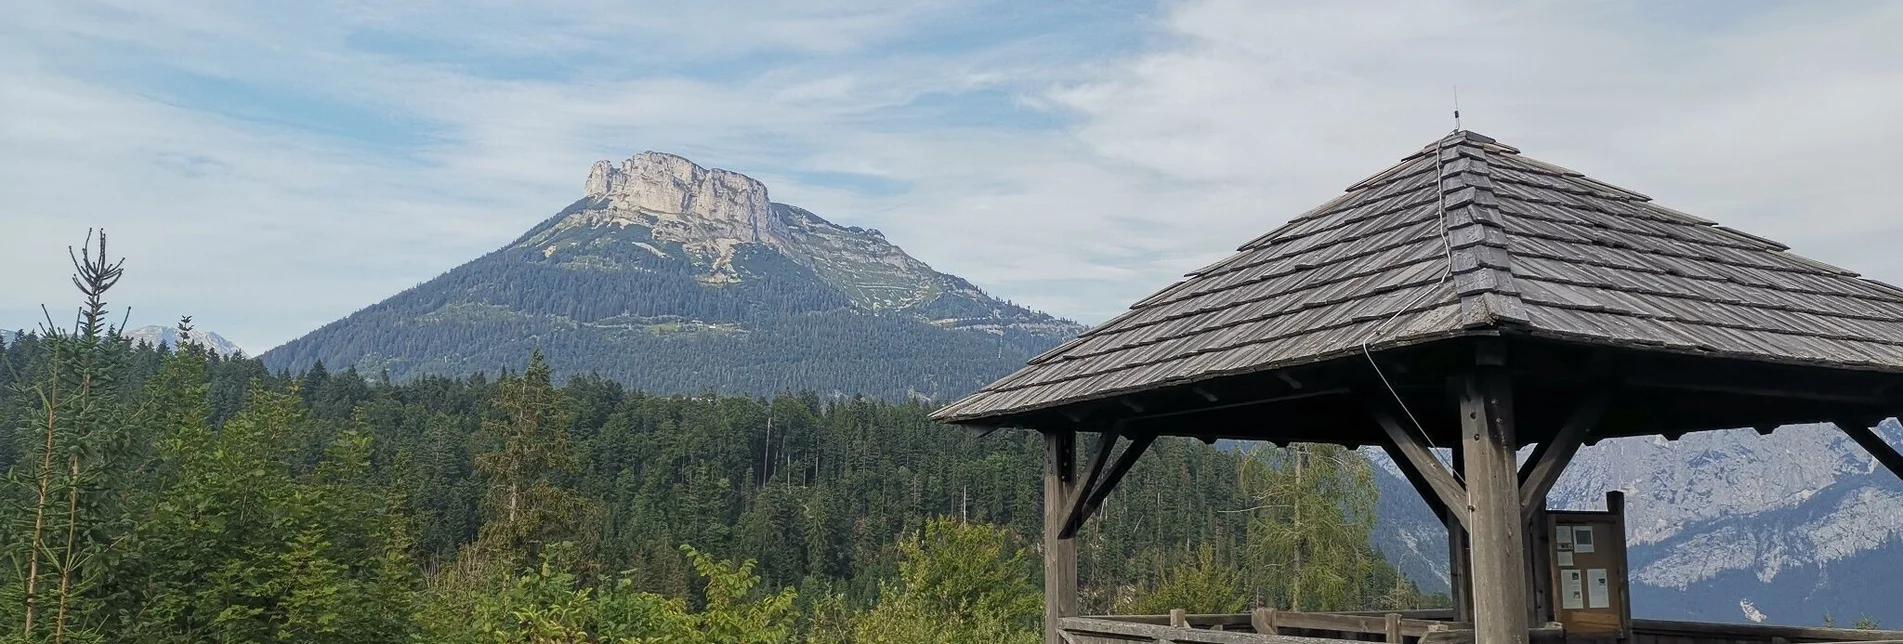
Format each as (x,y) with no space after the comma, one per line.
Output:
(174,495)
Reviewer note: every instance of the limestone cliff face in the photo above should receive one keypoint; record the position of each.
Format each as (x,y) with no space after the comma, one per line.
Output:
(715,216)
(715,203)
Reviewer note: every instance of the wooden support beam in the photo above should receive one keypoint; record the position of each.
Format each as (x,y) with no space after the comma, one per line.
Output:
(1093,498)
(1874,444)
(1202,409)
(1551,457)
(1421,487)
(1539,577)
(1459,559)
(1410,451)
(1485,396)
(1093,472)
(1060,552)
(1786,390)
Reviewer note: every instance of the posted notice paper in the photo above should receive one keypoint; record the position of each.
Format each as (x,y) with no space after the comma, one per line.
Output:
(1571,595)
(1598,594)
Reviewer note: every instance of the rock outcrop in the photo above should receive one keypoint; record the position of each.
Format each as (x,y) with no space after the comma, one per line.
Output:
(714,204)
(716,214)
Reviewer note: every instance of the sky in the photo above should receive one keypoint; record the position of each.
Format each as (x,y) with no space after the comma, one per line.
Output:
(270,167)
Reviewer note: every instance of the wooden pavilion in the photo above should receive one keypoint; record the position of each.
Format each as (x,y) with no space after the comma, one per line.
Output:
(1472,298)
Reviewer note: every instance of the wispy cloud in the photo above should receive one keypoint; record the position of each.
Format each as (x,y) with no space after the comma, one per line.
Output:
(271,168)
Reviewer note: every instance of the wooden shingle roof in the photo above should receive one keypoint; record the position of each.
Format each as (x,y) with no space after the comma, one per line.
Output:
(1468,236)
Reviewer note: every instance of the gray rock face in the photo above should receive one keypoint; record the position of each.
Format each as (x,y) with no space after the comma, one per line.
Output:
(714,214)
(1670,485)
(721,203)
(1723,526)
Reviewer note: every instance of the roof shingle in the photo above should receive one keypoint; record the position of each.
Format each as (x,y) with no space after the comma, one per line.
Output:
(1466,235)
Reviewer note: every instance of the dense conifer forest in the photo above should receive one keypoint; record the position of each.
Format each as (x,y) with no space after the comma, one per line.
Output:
(160,495)
(606,305)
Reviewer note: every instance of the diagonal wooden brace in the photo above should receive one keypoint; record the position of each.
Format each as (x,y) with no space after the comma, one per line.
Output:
(1093,472)
(1100,482)
(1550,458)
(1411,453)
(1874,444)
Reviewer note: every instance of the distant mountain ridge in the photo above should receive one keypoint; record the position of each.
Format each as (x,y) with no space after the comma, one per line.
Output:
(1794,525)
(672,277)
(157,335)
(168,336)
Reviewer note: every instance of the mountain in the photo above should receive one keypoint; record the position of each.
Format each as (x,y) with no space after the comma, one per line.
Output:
(1798,524)
(1726,526)
(167,336)
(671,277)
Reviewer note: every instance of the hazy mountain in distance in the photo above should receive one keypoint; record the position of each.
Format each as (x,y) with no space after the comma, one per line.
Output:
(164,335)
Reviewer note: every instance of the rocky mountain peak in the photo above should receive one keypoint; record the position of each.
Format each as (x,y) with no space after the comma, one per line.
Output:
(670,185)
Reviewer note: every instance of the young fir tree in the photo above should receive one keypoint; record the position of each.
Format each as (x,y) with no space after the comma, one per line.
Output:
(1309,539)
(234,543)
(958,583)
(70,445)
(528,504)
(1204,584)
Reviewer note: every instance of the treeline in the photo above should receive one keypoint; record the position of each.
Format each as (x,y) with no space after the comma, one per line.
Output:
(601,304)
(176,496)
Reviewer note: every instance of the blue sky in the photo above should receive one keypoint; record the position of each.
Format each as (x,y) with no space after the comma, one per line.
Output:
(268,169)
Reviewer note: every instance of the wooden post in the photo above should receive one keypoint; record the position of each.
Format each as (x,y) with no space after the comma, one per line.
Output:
(1539,575)
(1393,624)
(1459,568)
(1493,491)
(1060,555)
(1179,618)
(1615,504)
(1263,621)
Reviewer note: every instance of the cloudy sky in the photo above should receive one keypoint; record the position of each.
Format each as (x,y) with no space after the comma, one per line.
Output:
(269,167)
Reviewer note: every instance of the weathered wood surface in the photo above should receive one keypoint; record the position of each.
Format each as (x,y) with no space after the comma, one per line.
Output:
(1551,457)
(1498,557)
(1265,619)
(1224,629)
(1097,630)
(1060,555)
(1410,451)
(1459,564)
(1090,498)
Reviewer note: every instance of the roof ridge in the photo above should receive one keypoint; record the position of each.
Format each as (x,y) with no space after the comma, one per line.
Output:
(1478,258)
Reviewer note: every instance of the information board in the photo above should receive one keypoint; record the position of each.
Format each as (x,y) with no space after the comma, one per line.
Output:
(1588,568)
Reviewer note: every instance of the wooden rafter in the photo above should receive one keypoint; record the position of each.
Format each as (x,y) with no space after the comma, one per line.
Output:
(1088,499)
(1410,451)
(1874,444)
(1550,458)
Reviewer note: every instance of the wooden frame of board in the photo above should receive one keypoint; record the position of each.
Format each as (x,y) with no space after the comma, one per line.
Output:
(1590,594)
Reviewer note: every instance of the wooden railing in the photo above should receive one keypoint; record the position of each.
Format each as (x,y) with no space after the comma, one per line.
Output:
(1269,626)
(1287,627)
(1653,631)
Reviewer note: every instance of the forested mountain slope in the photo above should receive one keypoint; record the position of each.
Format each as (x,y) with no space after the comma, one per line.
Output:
(670,277)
